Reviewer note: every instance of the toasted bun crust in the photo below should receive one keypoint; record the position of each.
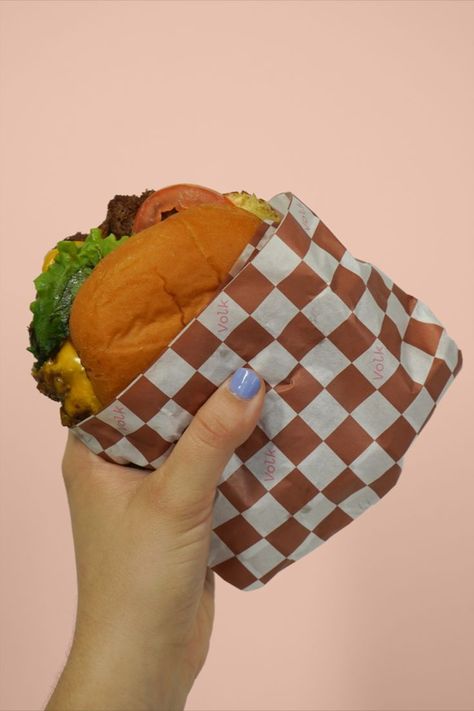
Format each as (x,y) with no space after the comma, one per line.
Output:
(139,297)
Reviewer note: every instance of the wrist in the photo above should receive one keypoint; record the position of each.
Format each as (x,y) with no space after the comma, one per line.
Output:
(112,671)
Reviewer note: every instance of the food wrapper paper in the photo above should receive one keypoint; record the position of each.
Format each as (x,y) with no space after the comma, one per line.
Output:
(353,368)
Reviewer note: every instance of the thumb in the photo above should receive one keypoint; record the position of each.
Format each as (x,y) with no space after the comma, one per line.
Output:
(188,478)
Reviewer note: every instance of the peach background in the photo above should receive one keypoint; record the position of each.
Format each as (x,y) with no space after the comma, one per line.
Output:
(364,110)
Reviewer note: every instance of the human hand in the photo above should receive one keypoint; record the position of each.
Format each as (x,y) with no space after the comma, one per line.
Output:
(145,595)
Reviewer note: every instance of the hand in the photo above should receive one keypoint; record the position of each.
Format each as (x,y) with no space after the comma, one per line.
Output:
(145,595)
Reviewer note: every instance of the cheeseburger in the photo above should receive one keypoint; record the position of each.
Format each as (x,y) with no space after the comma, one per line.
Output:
(109,302)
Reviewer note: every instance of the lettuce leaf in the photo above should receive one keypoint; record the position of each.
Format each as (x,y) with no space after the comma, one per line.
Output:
(57,287)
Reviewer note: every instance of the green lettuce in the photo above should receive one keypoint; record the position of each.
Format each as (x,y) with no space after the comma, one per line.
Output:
(57,287)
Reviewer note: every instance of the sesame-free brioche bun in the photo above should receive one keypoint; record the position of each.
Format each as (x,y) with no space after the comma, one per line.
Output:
(140,296)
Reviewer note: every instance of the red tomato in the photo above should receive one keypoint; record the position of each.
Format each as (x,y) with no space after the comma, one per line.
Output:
(176,198)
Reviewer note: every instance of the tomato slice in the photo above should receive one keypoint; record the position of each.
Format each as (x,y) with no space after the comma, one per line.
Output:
(174,198)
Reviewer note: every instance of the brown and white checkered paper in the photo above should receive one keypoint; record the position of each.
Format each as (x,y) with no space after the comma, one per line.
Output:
(353,368)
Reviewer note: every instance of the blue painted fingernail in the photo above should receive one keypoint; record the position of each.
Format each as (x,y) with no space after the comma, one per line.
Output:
(244,383)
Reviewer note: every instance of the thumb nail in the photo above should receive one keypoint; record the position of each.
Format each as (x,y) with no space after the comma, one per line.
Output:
(245,383)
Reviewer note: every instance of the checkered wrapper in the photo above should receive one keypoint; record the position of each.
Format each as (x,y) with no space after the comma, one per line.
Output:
(353,368)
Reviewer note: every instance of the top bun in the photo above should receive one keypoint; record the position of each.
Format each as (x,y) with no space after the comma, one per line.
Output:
(139,297)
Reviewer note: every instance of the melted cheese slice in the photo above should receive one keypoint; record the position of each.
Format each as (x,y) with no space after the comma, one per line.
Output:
(65,377)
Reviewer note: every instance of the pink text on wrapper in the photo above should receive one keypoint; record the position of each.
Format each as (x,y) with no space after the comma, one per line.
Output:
(378,363)
(222,315)
(119,417)
(270,459)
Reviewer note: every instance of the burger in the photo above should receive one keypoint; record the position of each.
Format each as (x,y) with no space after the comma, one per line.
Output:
(110,301)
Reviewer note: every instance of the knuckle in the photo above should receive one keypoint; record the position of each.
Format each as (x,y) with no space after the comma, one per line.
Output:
(209,430)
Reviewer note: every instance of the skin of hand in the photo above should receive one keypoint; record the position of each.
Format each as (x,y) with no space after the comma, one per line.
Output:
(145,604)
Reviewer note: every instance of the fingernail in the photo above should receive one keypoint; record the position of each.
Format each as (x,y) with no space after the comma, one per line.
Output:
(244,383)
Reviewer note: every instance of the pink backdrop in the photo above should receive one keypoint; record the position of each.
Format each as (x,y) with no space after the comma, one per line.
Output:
(365,111)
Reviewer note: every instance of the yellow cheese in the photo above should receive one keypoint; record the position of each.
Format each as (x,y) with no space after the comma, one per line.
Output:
(64,378)
(49,259)
(251,203)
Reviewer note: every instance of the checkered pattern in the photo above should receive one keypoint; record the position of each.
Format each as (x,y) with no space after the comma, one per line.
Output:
(353,365)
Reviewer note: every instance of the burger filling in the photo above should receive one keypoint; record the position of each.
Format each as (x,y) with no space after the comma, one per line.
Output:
(252,203)
(63,378)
